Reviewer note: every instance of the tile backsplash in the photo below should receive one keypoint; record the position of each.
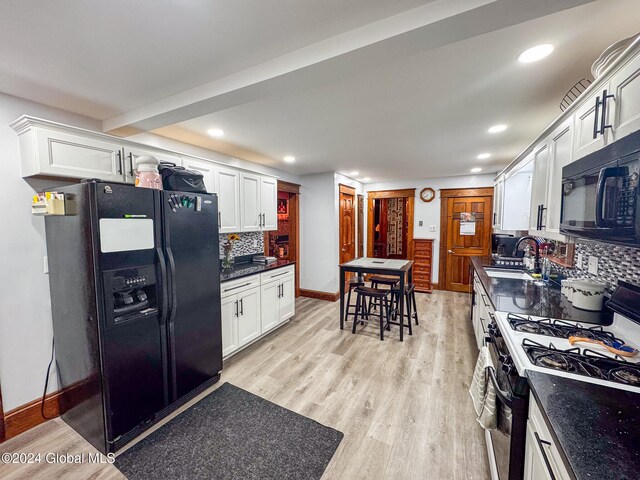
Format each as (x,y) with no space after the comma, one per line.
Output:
(615,263)
(244,246)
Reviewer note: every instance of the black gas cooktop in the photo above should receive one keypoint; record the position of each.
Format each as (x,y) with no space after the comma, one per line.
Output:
(558,328)
(582,362)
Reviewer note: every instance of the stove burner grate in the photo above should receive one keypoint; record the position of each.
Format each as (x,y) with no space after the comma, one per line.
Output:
(559,328)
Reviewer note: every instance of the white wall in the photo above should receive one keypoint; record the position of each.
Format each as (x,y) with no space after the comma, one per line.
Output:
(429,213)
(25,305)
(320,229)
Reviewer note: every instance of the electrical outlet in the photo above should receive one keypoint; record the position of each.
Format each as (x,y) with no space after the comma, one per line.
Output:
(579,261)
(432,228)
(420,223)
(593,265)
(255,242)
(46,265)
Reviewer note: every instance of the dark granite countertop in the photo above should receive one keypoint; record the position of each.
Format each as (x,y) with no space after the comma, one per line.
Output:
(245,269)
(595,427)
(525,297)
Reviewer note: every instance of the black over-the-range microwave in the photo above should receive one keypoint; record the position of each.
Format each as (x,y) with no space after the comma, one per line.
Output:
(600,194)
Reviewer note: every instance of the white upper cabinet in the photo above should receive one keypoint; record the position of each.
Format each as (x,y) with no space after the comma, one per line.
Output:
(247,201)
(537,212)
(498,200)
(250,213)
(588,120)
(517,195)
(132,153)
(625,106)
(269,203)
(228,189)
(560,149)
(62,154)
(258,203)
(207,169)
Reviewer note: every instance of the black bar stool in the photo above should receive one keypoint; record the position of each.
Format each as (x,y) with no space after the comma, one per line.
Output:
(376,281)
(384,311)
(350,309)
(411,308)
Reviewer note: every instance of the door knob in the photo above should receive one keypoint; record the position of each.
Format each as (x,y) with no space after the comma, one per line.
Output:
(450,251)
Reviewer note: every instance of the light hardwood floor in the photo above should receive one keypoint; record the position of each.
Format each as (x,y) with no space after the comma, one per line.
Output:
(403,407)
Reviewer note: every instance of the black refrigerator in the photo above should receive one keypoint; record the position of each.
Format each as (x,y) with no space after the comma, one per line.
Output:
(135,295)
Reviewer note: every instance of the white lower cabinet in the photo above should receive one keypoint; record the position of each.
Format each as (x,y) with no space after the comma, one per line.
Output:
(542,459)
(278,301)
(253,306)
(229,325)
(249,327)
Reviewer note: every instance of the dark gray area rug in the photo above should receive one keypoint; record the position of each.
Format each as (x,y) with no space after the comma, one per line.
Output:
(233,434)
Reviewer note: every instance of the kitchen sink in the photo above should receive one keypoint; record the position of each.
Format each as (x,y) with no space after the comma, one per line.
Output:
(505,273)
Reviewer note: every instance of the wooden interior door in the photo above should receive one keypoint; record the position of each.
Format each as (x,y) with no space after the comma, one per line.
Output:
(460,247)
(347,224)
(360,226)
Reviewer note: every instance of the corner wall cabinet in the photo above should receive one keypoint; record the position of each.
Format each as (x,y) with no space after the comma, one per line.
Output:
(254,306)
(52,149)
(605,112)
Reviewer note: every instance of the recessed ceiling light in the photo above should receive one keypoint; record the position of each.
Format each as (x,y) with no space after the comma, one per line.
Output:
(536,53)
(476,169)
(483,156)
(497,128)
(366,179)
(355,173)
(289,159)
(216,132)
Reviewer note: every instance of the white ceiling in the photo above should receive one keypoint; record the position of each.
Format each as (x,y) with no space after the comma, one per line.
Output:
(101,58)
(395,89)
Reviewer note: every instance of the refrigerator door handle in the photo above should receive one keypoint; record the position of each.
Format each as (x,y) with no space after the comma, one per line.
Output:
(172,315)
(164,304)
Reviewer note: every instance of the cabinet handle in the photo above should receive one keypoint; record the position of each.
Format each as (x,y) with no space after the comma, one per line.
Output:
(241,306)
(236,308)
(541,444)
(279,274)
(595,118)
(219,220)
(603,118)
(119,161)
(235,288)
(131,163)
(542,210)
(264,220)
(259,221)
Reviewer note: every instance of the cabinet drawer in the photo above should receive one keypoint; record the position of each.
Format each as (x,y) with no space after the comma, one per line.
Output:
(277,274)
(421,278)
(422,250)
(421,269)
(233,287)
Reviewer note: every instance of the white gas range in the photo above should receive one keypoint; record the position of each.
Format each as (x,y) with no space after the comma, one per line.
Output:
(542,344)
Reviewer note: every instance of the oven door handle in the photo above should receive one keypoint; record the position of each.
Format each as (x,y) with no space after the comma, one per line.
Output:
(606,173)
(501,394)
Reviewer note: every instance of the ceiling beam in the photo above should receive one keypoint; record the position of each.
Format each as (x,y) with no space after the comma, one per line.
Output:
(430,26)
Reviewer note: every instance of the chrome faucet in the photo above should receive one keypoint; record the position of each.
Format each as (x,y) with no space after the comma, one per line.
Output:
(537,268)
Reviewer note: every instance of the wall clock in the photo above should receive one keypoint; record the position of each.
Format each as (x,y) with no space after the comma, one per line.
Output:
(427,194)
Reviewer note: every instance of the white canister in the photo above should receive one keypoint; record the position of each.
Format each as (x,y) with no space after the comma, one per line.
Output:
(588,295)
(567,288)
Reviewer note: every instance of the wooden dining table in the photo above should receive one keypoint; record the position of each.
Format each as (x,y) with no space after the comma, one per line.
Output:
(403,269)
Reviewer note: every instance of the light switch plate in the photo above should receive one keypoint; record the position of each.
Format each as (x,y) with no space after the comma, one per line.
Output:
(579,261)
(432,228)
(593,265)
(46,264)
(420,223)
